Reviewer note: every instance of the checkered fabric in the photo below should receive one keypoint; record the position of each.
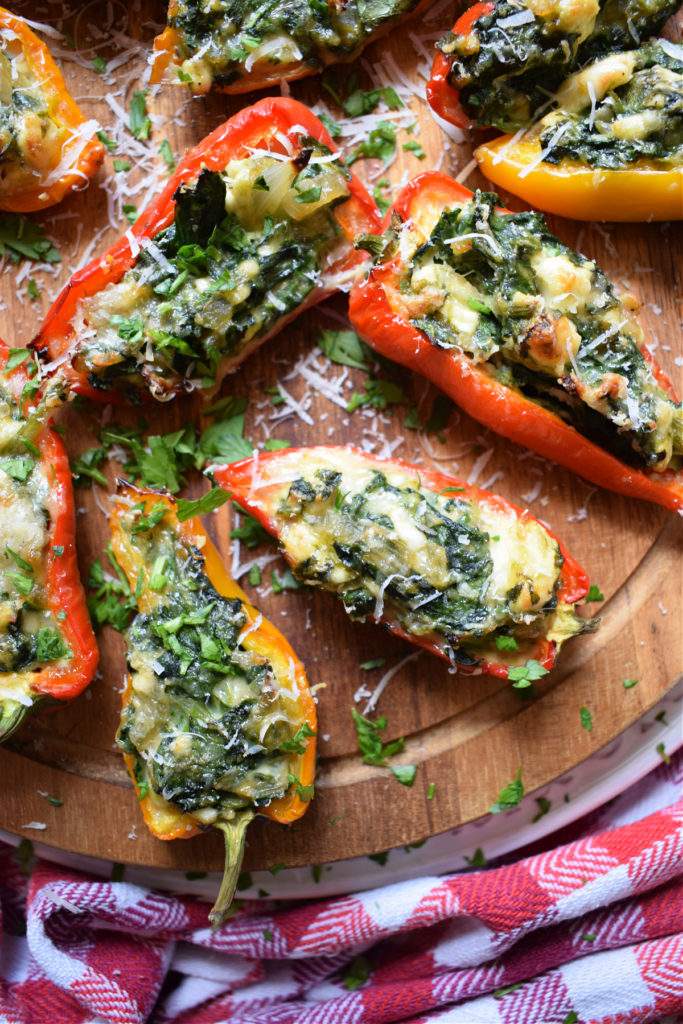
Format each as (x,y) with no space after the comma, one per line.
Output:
(587,931)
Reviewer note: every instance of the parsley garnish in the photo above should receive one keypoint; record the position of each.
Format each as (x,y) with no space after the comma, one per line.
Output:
(305,793)
(498,993)
(106,141)
(113,602)
(250,531)
(140,124)
(660,748)
(628,684)
(32,290)
(477,860)
(524,675)
(85,468)
(440,414)
(296,745)
(370,742)
(414,147)
(22,582)
(405,773)
(130,212)
(379,394)
(275,869)
(333,128)
(121,165)
(22,238)
(381,145)
(357,973)
(148,520)
(99,65)
(506,643)
(346,349)
(209,502)
(255,578)
(16,357)
(285,582)
(367,666)
(19,468)
(167,155)
(544,806)
(586,719)
(594,593)
(50,646)
(431,791)
(510,795)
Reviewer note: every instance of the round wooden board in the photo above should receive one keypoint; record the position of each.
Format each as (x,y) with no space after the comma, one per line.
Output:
(468,735)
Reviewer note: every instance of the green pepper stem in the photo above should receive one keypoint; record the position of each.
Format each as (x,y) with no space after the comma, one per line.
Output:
(12,715)
(234,833)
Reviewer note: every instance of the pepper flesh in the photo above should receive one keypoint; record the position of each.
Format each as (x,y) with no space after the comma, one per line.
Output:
(63,112)
(262,126)
(164,819)
(260,485)
(64,595)
(497,405)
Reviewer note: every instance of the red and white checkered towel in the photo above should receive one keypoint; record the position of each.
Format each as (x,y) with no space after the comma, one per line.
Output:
(589,931)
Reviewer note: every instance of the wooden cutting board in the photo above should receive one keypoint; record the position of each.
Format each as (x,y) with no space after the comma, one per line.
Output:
(468,735)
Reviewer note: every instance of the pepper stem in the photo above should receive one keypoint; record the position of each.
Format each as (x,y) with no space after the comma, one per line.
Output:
(234,833)
(12,714)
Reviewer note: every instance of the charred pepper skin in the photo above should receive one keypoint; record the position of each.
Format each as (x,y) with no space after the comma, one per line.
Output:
(491,402)
(255,126)
(62,109)
(164,819)
(64,595)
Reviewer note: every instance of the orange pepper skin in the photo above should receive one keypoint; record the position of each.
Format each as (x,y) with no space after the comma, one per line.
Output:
(249,481)
(441,96)
(62,108)
(257,126)
(163,819)
(571,189)
(490,402)
(63,588)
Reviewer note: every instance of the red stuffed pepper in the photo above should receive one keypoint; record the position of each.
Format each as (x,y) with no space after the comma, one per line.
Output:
(525,334)
(451,568)
(503,60)
(47,146)
(256,224)
(218,723)
(48,652)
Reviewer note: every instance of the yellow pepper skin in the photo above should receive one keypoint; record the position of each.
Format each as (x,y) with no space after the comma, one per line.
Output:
(571,189)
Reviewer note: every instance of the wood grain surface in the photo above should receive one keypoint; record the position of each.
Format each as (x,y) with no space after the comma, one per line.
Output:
(468,735)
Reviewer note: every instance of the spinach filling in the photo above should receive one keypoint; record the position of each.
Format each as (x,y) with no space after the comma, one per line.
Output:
(425,562)
(216,38)
(507,74)
(641,119)
(30,139)
(543,319)
(246,248)
(206,723)
(29,632)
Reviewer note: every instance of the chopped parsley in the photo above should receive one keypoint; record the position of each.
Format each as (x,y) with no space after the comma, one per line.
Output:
(357,973)
(594,593)
(140,124)
(477,860)
(21,238)
(544,806)
(586,719)
(509,795)
(524,675)
(370,743)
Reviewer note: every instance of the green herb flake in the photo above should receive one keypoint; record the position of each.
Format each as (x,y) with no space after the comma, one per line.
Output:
(589,937)
(296,744)
(209,502)
(586,719)
(524,675)
(112,601)
(99,65)
(16,357)
(405,773)
(660,748)
(357,973)
(140,124)
(381,145)
(346,349)
(379,858)
(267,935)
(32,290)
(477,860)
(370,743)
(414,147)
(333,128)
(336,818)
(378,195)
(305,793)
(498,993)
(367,666)
(544,806)
(193,876)
(571,1018)
(275,445)
(19,468)
(317,872)
(594,593)
(255,578)
(22,583)
(431,790)
(130,212)
(661,718)
(121,165)
(21,238)
(284,582)
(54,801)
(108,143)
(85,468)
(167,155)
(506,643)
(510,795)
(244,881)
(275,869)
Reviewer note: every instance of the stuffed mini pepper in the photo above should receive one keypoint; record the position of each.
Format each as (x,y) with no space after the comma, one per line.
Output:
(48,653)
(504,59)
(525,334)
(256,224)
(452,568)
(47,147)
(612,147)
(218,723)
(237,47)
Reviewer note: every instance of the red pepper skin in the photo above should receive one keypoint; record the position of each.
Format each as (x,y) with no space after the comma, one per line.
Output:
(63,588)
(442,97)
(248,482)
(254,126)
(490,402)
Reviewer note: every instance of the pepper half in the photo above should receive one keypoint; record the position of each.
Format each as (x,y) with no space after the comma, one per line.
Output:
(218,723)
(449,567)
(501,321)
(255,225)
(47,146)
(612,147)
(236,49)
(48,653)
(502,61)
